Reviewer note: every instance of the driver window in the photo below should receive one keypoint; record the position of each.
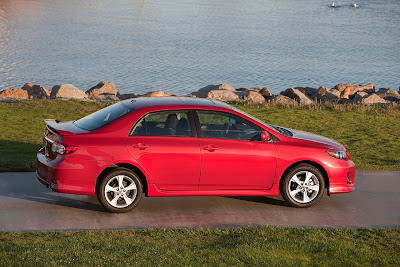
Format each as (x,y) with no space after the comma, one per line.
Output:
(224,125)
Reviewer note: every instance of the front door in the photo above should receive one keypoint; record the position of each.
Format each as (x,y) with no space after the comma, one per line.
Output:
(163,144)
(232,155)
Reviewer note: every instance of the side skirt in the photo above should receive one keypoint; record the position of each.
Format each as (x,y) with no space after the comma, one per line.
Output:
(154,191)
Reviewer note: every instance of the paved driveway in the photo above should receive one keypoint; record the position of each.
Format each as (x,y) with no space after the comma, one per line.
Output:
(27,206)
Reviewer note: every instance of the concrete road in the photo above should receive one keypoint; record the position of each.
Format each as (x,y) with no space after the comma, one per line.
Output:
(27,206)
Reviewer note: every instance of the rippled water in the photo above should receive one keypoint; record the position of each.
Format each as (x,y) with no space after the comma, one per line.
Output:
(181,45)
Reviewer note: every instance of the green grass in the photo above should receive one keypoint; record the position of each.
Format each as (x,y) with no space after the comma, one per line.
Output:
(247,246)
(370,133)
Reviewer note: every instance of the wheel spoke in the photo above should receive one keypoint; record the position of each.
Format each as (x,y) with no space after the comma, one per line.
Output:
(120,180)
(127,200)
(308,177)
(132,186)
(296,179)
(114,200)
(294,192)
(305,197)
(314,187)
(110,189)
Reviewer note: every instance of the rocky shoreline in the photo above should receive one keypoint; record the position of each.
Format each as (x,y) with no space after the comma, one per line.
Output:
(342,93)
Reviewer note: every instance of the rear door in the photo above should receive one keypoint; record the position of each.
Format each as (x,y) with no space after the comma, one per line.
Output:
(233,157)
(165,145)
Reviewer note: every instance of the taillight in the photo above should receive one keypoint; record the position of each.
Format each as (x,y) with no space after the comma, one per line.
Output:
(63,149)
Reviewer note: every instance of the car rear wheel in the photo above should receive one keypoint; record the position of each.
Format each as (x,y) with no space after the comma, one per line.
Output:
(303,186)
(119,190)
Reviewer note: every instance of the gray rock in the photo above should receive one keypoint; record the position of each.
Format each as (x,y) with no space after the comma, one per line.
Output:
(102,88)
(388,94)
(308,91)
(106,98)
(327,95)
(223,95)
(368,88)
(203,92)
(127,96)
(372,99)
(254,98)
(158,93)
(359,96)
(345,101)
(297,95)
(36,91)
(282,100)
(67,91)
(265,93)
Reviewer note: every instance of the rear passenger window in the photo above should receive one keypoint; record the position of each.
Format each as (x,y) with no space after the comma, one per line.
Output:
(169,123)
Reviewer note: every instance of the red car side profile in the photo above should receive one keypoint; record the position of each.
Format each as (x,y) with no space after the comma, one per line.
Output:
(176,146)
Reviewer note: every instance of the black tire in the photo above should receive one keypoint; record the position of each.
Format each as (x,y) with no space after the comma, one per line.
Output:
(299,194)
(120,198)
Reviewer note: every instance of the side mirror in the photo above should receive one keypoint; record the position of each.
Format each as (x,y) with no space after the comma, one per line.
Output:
(265,136)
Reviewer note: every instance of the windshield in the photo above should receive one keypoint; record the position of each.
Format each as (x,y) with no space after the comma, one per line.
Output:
(103,117)
(277,128)
(254,118)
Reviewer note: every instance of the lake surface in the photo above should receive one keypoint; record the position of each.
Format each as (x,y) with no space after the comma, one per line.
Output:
(180,46)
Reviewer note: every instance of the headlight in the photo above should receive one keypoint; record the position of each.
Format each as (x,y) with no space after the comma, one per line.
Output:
(337,154)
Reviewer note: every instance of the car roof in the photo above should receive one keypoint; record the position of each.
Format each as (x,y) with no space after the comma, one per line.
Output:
(185,102)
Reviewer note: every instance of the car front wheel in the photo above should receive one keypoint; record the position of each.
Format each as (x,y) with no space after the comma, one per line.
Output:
(303,186)
(119,190)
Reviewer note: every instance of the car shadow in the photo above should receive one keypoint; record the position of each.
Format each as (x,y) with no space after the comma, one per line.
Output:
(263,200)
(60,200)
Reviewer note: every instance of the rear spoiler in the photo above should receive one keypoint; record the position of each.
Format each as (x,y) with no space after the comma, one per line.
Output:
(57,127)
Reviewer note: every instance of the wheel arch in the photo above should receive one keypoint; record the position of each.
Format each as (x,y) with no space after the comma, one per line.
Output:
(312,163)
(131,167)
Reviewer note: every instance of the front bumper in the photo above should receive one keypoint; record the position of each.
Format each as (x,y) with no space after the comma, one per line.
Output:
(341,174)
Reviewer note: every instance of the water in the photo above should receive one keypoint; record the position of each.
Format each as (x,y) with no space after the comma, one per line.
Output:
(181,45)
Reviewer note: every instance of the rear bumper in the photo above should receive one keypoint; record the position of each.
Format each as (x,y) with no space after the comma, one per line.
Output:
(67,174)
(46,183)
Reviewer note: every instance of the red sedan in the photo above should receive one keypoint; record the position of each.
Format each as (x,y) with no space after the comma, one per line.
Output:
(176,146)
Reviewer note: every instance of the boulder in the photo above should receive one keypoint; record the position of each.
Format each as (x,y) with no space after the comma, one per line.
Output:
(388,94)
(254,98)
(368,88)
(223,95)
(105,98)
(371,99)
(265,93)
(297,95)
(158,93)
(345,101)
(36,91)
(359,96)
(203,92)
(282,100)
(127,96)
(14,94)
(346,92)
(67,91)
(324,94)
(308,91)
(102,88)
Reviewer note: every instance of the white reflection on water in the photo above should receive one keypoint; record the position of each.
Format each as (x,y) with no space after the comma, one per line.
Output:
(182,45)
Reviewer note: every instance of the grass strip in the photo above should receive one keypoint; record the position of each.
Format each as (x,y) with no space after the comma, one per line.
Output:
(370,133)
(246,246)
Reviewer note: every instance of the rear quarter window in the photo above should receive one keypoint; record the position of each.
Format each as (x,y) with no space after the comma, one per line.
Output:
(103,117)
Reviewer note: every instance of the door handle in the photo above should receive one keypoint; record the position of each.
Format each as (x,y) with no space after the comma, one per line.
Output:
(140,146)
(210,148)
